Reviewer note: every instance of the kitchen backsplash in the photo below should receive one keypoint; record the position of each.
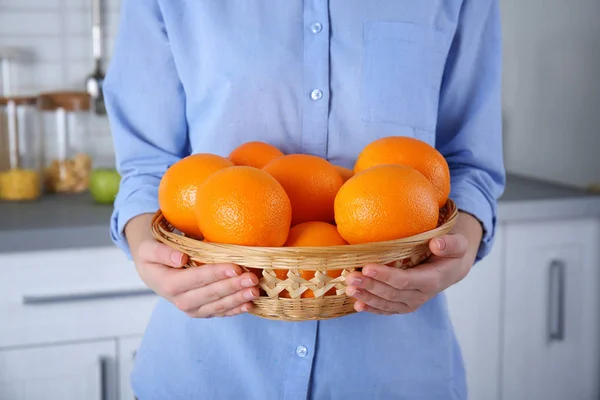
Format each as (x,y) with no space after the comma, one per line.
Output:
(56,37)
(56,34)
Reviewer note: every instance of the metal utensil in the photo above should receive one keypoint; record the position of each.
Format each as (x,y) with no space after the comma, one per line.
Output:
(95,80)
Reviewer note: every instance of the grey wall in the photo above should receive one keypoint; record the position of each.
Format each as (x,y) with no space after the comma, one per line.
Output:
(552,89)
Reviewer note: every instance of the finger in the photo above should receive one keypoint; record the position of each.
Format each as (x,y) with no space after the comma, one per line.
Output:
(385,291)
(244,308)
(176,282)
(377,302)
(196,298)
(427,278)
(159,253)
(226,304)
(452,245)
(362,307)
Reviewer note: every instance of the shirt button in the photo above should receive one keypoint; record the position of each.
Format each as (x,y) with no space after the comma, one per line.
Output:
(301,351)
(316,94)
(316,27)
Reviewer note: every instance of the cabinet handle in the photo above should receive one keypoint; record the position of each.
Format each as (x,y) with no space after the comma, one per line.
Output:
(133,355)
(72,297)
(556,301)
(104,389)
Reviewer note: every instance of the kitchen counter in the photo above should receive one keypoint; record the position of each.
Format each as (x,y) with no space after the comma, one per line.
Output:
(527,199)
(56,222)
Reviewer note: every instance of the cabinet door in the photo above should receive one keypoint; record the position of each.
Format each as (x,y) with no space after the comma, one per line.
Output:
(475,308)
(127,349)
(59,372)
(551,311)
(55,297)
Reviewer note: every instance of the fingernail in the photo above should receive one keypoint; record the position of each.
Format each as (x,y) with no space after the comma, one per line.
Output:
(176,258)
(370,273)
(245,308)
(440,244)
(249,295)
(359,307)
(231,273)
(356,281)
(247,283)
(354,292)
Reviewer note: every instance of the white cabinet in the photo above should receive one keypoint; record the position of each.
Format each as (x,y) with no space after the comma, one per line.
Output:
(70,296)
(475,306)
(127,350)
(59,372)
(57,308)
(526,318)
(551,314)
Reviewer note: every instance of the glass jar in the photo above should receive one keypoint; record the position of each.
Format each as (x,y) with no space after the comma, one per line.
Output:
(12,74)
(105,180)
(101,140)
(21,149)
(65,118)
(7,59)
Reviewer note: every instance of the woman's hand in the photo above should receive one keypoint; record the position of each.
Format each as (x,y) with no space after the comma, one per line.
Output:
(386,290)
(215,290)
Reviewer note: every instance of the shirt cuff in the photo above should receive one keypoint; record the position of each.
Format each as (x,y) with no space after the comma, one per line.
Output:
(471,199)
(140,203)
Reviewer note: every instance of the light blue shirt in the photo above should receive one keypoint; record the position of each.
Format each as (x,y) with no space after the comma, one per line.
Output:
(319,77)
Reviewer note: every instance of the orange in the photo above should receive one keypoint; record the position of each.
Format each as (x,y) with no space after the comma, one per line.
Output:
(254,154)
(345,173)
(311,184)
(313,234)
(243,206)
(385,202)
(412,153)
(178,187)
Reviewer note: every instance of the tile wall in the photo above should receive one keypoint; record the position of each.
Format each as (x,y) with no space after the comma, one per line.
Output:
(56,35)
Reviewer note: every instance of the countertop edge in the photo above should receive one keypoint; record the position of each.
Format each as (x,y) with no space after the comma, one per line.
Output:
(551,209)
(55,239)
(63,238)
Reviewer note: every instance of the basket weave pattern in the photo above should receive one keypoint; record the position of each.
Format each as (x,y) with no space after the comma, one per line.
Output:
(403,253)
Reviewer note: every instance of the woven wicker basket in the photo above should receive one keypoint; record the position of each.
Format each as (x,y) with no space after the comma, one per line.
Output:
(403,253)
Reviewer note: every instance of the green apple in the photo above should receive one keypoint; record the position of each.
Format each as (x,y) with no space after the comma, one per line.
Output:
(104,185)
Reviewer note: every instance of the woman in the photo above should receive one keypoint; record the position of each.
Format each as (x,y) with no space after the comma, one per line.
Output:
(325,78)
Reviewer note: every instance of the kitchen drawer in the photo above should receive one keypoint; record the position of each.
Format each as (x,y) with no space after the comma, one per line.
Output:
(73,371)
(56,296)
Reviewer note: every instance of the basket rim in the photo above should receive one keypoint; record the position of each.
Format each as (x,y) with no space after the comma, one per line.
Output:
(163,235)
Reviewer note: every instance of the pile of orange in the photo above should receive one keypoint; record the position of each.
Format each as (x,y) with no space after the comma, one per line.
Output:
(258,196)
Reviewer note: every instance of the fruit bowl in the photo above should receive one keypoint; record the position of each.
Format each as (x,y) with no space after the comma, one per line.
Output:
(402,253)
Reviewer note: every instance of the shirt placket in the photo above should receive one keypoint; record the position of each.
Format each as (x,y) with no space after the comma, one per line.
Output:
(314,141)
(316,77)
(302,349)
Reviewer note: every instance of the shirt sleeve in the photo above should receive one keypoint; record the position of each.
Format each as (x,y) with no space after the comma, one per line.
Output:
(146,108)
(469,130)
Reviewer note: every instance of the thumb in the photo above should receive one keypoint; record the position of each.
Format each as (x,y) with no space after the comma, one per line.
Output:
(451,245)
(158,253)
